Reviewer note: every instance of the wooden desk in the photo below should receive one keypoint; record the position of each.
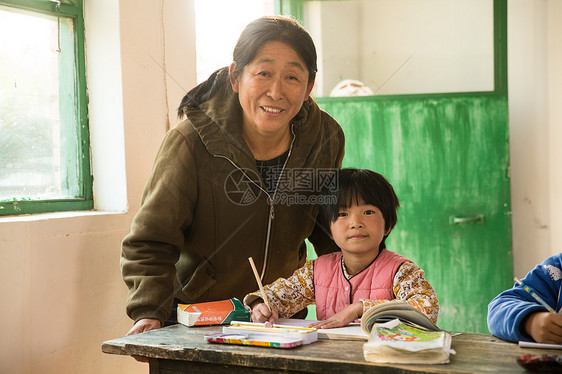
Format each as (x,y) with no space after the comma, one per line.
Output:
(180,349)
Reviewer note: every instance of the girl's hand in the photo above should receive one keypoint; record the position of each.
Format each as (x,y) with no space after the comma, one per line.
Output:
(348,314)
(262,314)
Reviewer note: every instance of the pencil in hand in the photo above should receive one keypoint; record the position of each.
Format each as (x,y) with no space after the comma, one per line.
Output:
(260,285)
(534,294)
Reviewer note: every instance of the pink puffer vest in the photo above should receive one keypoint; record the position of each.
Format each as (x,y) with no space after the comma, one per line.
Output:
(333,291)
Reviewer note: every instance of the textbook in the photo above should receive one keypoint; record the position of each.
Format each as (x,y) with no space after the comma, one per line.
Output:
(397,342)
(257,331)
(405,312)
(213,313)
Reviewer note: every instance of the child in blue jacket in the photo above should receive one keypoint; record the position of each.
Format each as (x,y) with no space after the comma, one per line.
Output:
(515,315)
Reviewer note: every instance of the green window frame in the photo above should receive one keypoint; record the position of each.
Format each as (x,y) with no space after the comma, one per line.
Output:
(73,148)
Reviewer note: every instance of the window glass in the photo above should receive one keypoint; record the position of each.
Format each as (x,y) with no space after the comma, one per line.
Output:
(34,150)
(44,149)
(390,47)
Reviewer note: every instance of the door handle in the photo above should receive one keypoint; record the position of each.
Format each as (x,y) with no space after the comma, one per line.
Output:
(455,220)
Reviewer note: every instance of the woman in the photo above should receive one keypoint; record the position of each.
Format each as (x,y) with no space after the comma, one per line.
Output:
(239,177)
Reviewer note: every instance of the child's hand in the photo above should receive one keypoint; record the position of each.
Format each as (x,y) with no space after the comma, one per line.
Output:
(261,313)
(544,327)
(348,314)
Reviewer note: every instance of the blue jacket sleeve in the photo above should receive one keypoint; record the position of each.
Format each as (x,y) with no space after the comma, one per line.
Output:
(507,311)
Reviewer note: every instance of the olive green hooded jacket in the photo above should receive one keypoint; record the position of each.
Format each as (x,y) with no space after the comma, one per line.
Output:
(205,209)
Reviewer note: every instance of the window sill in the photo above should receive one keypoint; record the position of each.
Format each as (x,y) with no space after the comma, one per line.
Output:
(55,215)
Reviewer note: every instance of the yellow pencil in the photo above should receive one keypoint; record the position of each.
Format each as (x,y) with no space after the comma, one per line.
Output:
(275,328)
(264,297)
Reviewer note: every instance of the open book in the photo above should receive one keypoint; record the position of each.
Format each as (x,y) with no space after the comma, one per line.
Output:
(405,312)
(378,314)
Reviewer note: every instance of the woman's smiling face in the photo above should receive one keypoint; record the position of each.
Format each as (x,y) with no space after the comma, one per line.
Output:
(272,88)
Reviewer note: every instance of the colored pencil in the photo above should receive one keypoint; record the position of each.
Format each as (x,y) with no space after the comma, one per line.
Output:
(534,294)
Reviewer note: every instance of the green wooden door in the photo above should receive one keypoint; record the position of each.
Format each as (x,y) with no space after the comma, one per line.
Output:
(448,161)
(447,156)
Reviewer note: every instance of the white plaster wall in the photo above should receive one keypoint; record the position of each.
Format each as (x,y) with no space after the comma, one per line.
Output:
(105,105)
(554,66)
(535,95)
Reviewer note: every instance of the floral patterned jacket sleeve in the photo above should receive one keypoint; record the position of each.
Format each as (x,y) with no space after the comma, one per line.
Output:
(410,286)
(289,295)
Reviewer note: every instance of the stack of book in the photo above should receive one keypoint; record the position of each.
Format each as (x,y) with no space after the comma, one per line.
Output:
(399,333)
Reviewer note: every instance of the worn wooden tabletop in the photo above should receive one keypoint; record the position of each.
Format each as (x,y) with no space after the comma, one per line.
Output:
(179,348)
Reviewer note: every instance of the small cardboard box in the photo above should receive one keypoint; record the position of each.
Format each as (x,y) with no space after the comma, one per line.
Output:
(213,313)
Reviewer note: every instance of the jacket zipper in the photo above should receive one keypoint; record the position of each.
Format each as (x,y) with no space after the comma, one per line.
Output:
(269,198)
(271,208)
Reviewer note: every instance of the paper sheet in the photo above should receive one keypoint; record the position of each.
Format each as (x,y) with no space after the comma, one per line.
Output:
(353,331)
(523,344)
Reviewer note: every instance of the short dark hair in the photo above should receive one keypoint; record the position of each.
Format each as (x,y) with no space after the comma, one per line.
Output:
(253,37)
(278,29)
(355,185)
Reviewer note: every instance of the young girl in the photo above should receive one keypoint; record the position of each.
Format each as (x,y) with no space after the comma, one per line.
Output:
(345,284)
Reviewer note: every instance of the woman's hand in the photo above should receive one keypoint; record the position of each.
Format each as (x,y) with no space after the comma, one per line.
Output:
(348,314)
(262,314)
(144,325)
(544,327)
